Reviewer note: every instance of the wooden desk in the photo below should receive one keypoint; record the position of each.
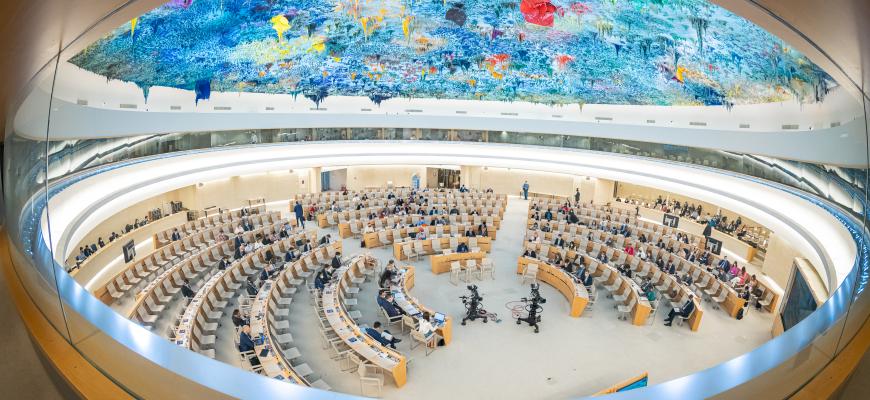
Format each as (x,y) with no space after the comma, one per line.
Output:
(574,292)
(412,306)
(392,362)
(483,242)
(273,363)
(441,263)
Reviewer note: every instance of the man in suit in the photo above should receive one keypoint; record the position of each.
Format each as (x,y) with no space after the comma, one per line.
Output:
(530,253)
(246,343)
(683,311)
(382,336)
(325,240)
(387,302)
(300,219)
(289,256)
(577,196)
(336,261)
(559,241)
(307,246)
(462,248)
(223,264)
(175,235)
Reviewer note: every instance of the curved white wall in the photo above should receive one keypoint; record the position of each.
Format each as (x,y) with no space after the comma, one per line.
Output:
(831,132)
(809,229)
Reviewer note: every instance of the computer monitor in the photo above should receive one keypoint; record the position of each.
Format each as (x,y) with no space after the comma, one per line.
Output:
(439,317)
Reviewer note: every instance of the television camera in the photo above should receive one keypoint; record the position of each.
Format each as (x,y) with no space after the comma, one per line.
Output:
(533,308)
(472,303)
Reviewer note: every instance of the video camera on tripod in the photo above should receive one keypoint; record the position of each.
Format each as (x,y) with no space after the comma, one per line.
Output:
(533,308)
(472,305)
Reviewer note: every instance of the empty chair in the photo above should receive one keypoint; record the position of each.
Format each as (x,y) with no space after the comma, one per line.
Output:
(625,310)
(455,272)
(418,248)
(486,267)
(371,380)
(471,270)
(530,272)
(767,300)
(382,238)
(408,252)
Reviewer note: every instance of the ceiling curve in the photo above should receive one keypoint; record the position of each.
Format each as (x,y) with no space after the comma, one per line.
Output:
(636,52)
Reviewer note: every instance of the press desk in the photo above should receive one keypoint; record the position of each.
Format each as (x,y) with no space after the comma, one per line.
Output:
(392,362)
(483,242)
(441,262)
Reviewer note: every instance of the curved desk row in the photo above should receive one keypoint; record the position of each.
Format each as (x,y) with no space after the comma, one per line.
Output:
(642,307)
(554,276)
(228,280)
(413,307)
(441,245)
(358,226)
(732,302)
(165,257)
(390,361)
(258,216)
(273,363)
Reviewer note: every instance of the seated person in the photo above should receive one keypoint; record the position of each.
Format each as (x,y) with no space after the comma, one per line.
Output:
(462,248)
(602,258)
(468,232)
(382,336)
(251,287)
(683,311)
(238,319)
(387,275)
(426,329)
(530,253)
(387,302)
(246,343)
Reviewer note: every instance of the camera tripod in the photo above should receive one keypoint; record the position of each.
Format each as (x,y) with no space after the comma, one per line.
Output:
(534,310)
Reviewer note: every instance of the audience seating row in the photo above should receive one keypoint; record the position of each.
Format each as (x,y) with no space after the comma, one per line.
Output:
(152,300)
(382,193)
(270,318)
(141,271)
(163,237)
(199,321)
(331,218)
(384,237)
(347,340)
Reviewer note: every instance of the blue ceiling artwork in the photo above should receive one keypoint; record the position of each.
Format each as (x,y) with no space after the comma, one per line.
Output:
(555,52)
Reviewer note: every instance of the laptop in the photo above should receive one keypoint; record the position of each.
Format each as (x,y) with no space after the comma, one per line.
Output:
(439,318)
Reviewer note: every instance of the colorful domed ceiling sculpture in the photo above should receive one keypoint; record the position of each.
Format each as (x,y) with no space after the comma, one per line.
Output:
(639,52)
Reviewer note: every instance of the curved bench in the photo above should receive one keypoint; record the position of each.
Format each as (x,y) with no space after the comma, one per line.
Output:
(554,276)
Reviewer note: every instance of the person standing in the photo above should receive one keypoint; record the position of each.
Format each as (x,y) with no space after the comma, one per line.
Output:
(526,190)
(297,209)
(577,196)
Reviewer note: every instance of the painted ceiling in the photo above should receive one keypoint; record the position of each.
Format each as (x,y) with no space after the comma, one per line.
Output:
(639,52)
